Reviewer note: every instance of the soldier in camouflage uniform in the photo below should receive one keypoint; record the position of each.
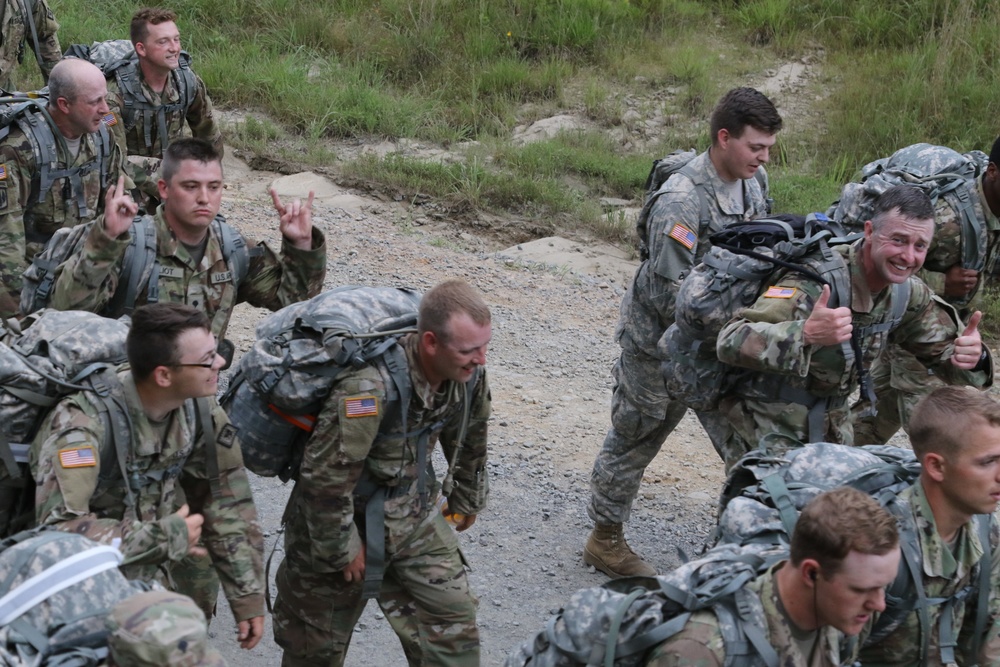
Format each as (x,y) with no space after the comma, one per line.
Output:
(955,432)
(16,38)
(844,551)
(900,381)
(193,269)
(171,95)
(85,166)
(804,352)
(173,359)
(159,629)
(351,472)
(715,189)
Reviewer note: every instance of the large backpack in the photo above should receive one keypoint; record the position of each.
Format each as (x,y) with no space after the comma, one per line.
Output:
(56,589)
(764,493)
(28,112)
(140,269)
(117,58)
(745,260)
(937,170)
(619,622)
(662,170)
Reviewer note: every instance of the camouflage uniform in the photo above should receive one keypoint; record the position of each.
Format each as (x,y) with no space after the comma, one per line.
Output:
(947,569)
(642,413)
(16,42)
(88,280)
(25,223)
(152,535)
(160,629)
(700,643)
(425,591)
(900,380)
(768,338)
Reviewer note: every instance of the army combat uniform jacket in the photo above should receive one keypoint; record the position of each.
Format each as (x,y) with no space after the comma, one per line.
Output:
(768,338)
(947,570)
(16,42)
(66,462)
(88,280)
(680,222)
(700,643)
(28,218)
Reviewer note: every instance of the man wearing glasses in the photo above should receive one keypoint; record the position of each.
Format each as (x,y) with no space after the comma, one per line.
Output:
(161,457)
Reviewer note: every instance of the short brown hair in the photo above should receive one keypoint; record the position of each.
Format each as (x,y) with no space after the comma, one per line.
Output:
(152,338)
(187,148)
(446,299)
(840,521)
(943,417)
(741,107)
(139,30)
(910,201)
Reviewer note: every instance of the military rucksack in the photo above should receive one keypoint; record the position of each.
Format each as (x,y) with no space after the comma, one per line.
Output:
(662,170)
(621,621)
(764,493)
(117,58)
(745,260)
(140,268)
(28,112)
(56,589)
(937,170)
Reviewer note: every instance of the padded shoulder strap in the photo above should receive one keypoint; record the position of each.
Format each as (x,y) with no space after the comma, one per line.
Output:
(139,264)
(234,249)
(205,425)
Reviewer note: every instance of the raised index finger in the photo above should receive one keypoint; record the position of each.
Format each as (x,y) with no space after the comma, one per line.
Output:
(276,200)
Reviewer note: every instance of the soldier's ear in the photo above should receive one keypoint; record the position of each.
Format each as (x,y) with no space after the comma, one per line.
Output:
(934,466)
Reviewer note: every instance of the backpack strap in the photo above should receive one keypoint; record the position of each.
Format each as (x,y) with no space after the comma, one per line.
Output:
(140,256)
(206,426)
(900,301)
(984,524)
(972,229)
(647,207)
(136,104)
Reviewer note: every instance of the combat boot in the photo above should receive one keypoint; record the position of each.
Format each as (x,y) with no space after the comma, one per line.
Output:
(608,551)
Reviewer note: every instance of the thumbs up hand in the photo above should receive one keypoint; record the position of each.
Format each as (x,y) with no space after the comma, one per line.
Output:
(827,326)
(969,345)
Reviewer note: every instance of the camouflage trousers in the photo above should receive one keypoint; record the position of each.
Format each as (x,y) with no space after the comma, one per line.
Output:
(195,577)
(636,437)
(900,381)
(425,596)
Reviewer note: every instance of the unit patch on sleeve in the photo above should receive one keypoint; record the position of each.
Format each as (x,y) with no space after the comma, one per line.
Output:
(227,436)
(78,457)
(683,235)
(775,292)
(360,406)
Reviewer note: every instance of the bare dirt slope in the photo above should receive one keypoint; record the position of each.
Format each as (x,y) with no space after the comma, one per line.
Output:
(549,363)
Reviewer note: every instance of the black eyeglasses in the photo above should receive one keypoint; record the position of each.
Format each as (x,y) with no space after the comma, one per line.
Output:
(210,364)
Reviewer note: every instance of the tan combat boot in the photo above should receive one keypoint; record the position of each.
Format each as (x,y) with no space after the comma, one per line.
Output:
(608,551)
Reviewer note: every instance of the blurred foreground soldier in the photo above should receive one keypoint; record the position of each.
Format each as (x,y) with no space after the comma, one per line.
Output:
(710,192)
(955,432)
(809,357)
(159,629)
(364,499)
(844,551)
(202,261)
(22,33)
(173,359)
(49,182)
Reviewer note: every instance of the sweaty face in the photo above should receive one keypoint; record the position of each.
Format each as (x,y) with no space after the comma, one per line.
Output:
(848,600)
(896,251)
(739,158)
(457,358)
(162,46)
(971,479)
(192,198)
(196,372)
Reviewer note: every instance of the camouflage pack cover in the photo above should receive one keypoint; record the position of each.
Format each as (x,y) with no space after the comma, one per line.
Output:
(298,354)
(42,358)
(57,589)
(619,622)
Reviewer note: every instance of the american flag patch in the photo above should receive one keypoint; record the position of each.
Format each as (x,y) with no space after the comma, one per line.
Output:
(81,457)
(3,172)
(683,235)
(776,292)
(361,406)
(110,119)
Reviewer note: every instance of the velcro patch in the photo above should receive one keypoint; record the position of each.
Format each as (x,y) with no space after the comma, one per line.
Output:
(171,272)
(78,457)
(3,172)
(683,235)
(360,406)
(3,196)
(227,436)
(775,292)
(222,277)
(110,119)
